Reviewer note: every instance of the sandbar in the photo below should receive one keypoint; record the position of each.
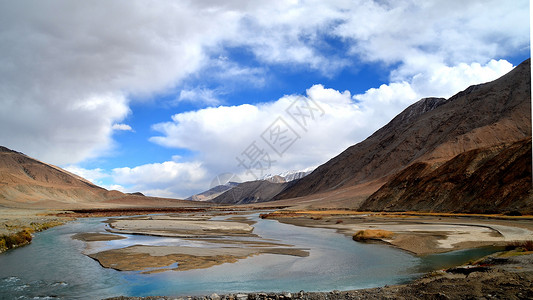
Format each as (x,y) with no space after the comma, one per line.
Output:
(179,227)
(96,237)
(152,259)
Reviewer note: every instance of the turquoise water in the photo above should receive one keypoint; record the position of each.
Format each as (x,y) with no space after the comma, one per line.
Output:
(54,266)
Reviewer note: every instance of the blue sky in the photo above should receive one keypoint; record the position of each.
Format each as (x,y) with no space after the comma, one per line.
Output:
(161,97)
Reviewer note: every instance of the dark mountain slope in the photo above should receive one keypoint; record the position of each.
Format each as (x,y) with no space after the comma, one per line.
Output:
(486,180)
(251,192)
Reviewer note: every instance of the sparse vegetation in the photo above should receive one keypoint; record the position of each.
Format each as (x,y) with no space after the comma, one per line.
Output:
(372,234)
(38,227)
(24,236)
(18,239)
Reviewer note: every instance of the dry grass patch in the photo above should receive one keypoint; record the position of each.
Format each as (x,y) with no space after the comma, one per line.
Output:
(14,240)
(372,234)
(24,236)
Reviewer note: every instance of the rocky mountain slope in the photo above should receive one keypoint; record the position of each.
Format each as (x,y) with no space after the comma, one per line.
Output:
(484,180)
(28,183)
(260,190)
(431,131)
(288,176)
(251,192)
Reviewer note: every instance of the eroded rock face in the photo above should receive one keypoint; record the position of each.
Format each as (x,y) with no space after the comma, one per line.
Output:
(488,180)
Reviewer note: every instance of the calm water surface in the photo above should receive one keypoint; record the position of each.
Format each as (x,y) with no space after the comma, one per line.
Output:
(54,266)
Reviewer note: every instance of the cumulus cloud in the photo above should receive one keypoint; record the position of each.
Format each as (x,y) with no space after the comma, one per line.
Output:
(443,81)
(68,69)
(93,175)
(167,179)
(418,34)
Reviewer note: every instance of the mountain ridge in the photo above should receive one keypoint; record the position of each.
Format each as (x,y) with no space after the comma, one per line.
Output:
(26,182)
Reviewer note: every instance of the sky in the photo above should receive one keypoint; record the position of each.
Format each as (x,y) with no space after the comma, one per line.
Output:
(162,97)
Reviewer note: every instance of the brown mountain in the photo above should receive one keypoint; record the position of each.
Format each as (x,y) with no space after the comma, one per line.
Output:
(431,131)
(28,183)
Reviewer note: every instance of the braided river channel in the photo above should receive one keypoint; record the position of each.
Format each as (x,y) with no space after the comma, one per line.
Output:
(53,266)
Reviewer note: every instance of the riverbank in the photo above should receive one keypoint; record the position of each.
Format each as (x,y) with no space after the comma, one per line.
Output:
(418,233)
(503,276)
(18,225)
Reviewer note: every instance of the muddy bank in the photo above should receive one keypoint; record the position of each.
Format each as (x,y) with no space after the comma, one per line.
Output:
(493,277)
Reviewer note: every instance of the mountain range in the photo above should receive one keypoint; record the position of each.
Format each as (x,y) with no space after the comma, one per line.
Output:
(252,191)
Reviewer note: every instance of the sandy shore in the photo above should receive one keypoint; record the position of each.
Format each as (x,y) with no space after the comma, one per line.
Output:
(178,226)
(13,220)
(419,234)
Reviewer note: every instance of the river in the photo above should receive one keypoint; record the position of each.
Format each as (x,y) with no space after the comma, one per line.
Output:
(53,266)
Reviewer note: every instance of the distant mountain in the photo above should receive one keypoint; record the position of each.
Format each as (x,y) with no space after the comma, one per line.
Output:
(251,192)
(288,176)
(29,183)
(213,192)
(430,133)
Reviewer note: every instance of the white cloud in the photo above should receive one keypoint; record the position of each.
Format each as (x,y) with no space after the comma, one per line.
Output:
(443,82)
(122,127)
(167,179)
(221,134)
(199,95)
(93,175)
(68,69)
(418,33)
